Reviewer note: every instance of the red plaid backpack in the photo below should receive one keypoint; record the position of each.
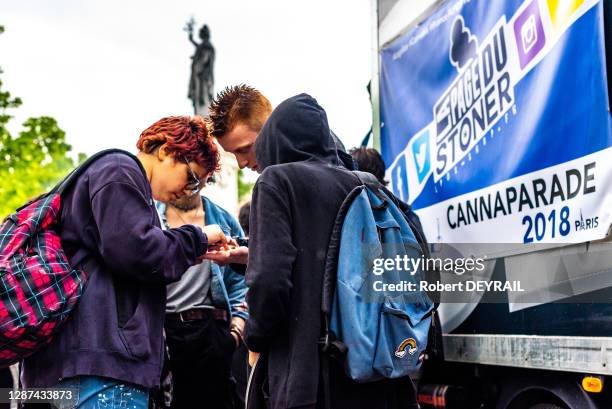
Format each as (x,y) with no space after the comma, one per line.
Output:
(38,287)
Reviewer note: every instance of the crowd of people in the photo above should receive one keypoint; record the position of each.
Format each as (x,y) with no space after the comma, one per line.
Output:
(180,309)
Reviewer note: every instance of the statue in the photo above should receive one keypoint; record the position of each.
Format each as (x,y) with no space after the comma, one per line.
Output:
(201,81)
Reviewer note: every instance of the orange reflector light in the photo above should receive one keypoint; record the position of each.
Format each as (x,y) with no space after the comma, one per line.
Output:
(592,384)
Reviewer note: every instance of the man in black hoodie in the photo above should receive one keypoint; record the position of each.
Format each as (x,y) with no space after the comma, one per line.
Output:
(294,205)
(236,117)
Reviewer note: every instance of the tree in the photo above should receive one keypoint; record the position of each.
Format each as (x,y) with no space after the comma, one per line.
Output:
(32,162)
(244,188)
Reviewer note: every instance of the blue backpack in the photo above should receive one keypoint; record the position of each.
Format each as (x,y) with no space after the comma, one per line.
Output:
(374,334)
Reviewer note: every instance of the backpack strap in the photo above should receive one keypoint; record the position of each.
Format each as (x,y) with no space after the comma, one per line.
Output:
(333,249)
(366,178)
(62,186)
(370,181)
(325,377)
(71,178)
(330,347)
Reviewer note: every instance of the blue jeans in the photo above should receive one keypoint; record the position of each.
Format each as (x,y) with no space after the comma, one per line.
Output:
(94,392)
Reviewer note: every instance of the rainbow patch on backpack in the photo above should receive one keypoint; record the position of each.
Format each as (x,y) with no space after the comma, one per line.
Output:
(408,345)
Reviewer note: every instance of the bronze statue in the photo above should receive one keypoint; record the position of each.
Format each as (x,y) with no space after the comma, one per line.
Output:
(201,81)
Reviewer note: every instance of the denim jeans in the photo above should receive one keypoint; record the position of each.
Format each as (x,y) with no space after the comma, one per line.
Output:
(94,392)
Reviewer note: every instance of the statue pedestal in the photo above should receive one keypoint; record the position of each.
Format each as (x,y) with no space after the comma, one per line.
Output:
(202,110)
(224,192)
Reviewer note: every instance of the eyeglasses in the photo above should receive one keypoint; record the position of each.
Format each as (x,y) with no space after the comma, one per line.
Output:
(193,185)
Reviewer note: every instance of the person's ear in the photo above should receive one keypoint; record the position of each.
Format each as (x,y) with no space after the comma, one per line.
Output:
(162,152)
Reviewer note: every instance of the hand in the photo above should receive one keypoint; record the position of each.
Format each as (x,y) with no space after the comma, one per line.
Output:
(231,244)
(235,255)
(189,25)
(237,329)
(215,236)
(236,340)
(253,357)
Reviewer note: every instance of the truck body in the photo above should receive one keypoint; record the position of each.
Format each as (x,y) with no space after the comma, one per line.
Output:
(493,118)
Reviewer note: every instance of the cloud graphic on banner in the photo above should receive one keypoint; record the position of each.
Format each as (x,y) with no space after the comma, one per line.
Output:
(464,46)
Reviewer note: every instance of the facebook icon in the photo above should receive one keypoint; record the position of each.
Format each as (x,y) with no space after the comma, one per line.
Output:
(399,179)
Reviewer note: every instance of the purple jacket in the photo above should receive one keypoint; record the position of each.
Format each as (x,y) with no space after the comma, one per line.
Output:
(110,226)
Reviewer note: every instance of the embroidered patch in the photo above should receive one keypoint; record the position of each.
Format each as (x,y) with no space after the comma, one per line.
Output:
(408,345)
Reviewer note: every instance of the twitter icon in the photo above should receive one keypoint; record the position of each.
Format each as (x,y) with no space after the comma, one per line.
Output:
(421,155)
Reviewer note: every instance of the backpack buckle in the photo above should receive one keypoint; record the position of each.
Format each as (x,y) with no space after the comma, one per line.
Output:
(324,342)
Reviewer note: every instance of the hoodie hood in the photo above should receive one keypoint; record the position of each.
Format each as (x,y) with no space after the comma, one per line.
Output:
(296,131)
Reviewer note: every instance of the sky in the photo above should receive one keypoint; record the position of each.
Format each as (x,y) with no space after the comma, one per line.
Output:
(107,69)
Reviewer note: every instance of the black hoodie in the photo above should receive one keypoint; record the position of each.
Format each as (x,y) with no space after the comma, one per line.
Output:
(295,202)
(301,134)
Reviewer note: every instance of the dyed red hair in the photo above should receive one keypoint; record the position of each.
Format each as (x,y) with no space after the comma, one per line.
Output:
(185,137)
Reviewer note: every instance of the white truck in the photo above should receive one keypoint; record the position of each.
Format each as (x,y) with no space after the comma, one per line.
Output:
(493,118)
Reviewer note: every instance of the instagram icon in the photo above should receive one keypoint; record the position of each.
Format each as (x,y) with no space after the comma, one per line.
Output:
(529,33)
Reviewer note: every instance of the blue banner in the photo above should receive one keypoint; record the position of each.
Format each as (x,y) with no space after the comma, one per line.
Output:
(497,112)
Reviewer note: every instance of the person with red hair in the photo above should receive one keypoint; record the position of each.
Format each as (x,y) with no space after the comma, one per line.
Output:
(110,351)
(177,148)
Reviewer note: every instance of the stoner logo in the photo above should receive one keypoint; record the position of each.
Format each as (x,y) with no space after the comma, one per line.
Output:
(479,96)
(408,345)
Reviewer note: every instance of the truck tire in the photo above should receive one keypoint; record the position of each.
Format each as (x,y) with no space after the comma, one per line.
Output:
(546,406)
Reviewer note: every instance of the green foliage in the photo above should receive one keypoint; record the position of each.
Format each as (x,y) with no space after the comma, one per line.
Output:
(34,161)
(244,188)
